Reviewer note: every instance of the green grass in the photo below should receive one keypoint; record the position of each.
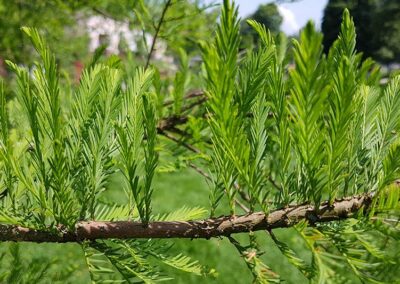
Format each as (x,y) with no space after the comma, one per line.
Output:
(172,191)
(191,190)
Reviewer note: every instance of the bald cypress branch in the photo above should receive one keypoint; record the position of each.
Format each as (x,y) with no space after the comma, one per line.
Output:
(208,228)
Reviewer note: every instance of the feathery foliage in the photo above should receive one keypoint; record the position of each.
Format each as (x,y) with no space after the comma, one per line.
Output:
(271,134)
(321,131)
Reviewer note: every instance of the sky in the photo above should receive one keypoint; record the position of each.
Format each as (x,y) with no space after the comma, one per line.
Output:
(295,15)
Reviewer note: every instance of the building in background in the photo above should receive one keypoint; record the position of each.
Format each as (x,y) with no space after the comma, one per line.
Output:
(114,34)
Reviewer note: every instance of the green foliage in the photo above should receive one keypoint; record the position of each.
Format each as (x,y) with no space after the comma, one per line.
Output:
(330,130)
(271,135)
(39,269)
(136,122)
(181,81)
(267,15)
(260,271)
(136,261)
(70,154)
(292,257)
(347,247)
(220,63)
(308,95)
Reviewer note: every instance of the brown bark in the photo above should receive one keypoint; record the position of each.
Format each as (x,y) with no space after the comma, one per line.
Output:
(214,227)
(171,122)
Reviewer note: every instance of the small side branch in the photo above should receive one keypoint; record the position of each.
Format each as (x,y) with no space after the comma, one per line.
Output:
(209,228)
(171,122)
(158,28)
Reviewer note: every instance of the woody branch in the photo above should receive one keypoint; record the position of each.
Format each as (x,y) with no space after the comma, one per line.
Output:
(208,228)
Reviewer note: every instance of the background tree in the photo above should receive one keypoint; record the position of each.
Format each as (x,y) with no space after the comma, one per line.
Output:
(387,29)
(376,24)
(266,14)
(13,44)
(62,22)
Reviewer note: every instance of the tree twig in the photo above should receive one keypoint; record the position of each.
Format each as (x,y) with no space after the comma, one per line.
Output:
(204,174)
(272,181)
(158,28)
(171,122)
(190,95)
(214,227)
(196,103)
(179,142)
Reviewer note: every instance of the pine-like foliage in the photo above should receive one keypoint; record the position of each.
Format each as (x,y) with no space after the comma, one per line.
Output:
(276,130)
(57,165)
(322,130)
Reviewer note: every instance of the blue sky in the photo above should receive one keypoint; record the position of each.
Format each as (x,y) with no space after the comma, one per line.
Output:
(295,14)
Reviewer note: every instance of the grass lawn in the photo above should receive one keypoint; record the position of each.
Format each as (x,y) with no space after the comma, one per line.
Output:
(172,191)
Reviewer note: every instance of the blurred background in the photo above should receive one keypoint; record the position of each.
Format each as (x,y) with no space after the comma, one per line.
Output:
(75,29)
(123,32)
